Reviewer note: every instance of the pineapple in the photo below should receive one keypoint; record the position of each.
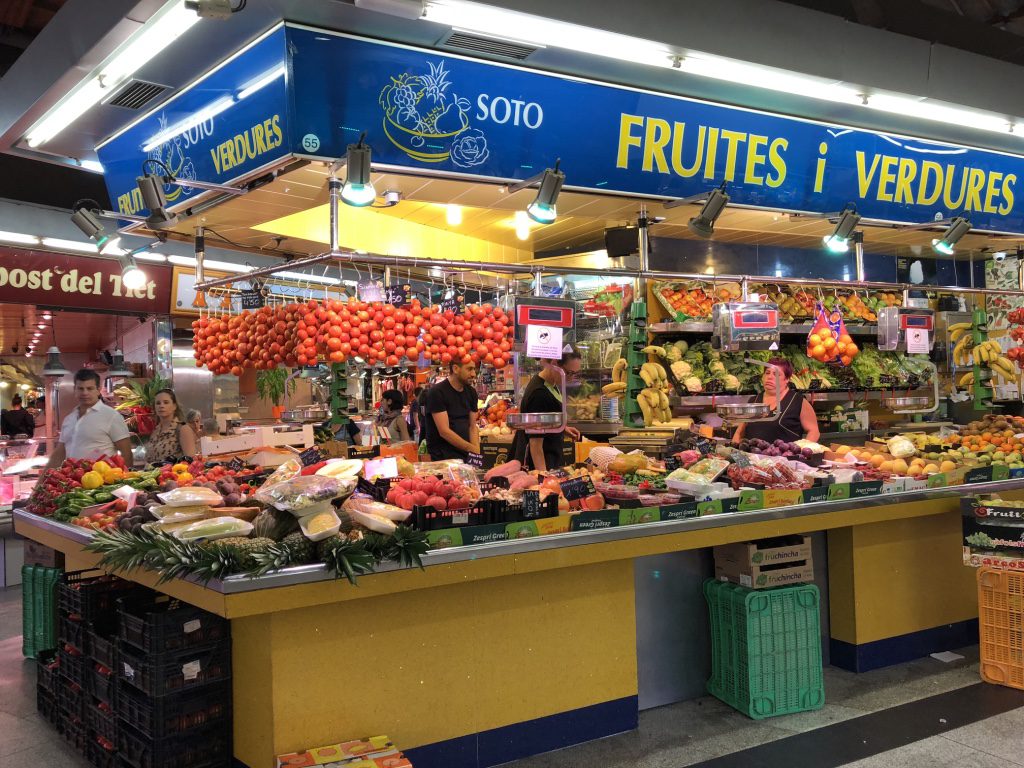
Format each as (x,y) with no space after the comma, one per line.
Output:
(240,550)
(293,549)
(346,555)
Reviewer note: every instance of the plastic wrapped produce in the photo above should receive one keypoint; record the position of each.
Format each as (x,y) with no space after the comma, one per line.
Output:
(298,493)
(191,496)
(214,528)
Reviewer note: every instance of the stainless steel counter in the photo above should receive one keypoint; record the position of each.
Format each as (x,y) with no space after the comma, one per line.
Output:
(312,573)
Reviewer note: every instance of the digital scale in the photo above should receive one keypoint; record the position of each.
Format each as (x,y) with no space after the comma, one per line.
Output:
(745,325)
(906,329)
(551,313)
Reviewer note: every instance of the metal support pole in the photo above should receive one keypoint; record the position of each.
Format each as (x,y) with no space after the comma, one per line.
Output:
(387,276)
(200,255)
(538,288)
(645,253)
(334,190)
(858,256)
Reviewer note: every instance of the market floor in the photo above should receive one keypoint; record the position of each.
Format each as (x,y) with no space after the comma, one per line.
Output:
(923,713)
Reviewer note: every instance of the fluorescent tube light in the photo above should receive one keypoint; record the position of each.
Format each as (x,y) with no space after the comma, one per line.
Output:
(148,256)
(261,82)
(204,114)
(69,245)
(18,237)
(166,26)
(926,110)
(303,278)
(92,165)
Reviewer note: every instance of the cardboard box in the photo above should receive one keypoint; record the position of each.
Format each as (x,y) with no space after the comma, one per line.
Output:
(347,754)
(992,531)
(495,451)
(38,554)
(768,563)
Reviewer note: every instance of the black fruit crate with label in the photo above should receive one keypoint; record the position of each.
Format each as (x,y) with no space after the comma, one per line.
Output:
(206,748)
(178,714)
(161,674)
(157,624)
(90,596)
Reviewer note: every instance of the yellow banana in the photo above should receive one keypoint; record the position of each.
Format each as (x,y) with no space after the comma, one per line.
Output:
(959,327)
(619,370)
(966,380)
(653,350)
(613,388)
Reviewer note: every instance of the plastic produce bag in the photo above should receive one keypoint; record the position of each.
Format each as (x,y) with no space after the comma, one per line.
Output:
(298,493)
(900,447)
(214,528)
(191,496)
(288,470)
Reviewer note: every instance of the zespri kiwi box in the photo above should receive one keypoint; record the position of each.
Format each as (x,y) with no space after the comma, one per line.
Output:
(341,755)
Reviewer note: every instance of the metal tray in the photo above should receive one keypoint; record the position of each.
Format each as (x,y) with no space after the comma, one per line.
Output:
(307,413)
(533,420)
(906,402)
(742,411)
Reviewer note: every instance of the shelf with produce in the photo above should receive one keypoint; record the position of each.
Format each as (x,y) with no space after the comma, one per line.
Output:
(696,326)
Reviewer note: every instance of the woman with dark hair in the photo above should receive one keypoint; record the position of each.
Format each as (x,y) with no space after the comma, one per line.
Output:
(172,438)
(796,420)
(390,417)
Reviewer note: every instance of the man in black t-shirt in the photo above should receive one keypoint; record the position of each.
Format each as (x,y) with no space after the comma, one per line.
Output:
(544,452)
(451,408)
(17,421)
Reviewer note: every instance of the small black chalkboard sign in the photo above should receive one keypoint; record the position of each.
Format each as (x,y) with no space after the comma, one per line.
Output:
(251,299)
(236,464)
(397,295)
(475,460)
(577,488)
(311,456)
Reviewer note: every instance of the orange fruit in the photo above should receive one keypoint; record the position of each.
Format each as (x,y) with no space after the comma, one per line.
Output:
(846,359)
(813,340)
(818,351)
(829,343)
(845,339)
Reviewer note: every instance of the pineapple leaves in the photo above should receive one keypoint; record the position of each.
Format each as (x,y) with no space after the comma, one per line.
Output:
(349,559)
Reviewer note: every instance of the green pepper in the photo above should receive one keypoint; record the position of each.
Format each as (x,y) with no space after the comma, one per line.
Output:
(102,497)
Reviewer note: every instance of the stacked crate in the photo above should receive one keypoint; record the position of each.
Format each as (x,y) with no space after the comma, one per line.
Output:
(87,625)
(765,648)
(174,685)
(38,609)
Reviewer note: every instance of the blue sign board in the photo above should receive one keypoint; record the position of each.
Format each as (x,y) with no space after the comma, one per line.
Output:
(230,123)
(440,113)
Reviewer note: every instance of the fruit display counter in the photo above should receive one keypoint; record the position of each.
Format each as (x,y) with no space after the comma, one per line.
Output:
(487,626)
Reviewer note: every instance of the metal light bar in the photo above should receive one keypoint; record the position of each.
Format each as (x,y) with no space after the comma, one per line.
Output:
(526,270)
(209,185)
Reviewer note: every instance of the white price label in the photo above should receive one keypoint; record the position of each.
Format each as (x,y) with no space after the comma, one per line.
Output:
(192,626)
(191,670)
(917,341)
(543,342)
(128,671)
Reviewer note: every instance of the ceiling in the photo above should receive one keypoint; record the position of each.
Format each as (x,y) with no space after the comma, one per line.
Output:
(76,332)
(253,220)
(20,22)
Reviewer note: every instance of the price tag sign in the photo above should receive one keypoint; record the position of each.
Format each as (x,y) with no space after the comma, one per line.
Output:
(311,456)
(370,290)
(251,299)
(577,488)
(531,504)
(543,342)
(917,341)
(475,460)
(456,302)
(397,295)
(236,464)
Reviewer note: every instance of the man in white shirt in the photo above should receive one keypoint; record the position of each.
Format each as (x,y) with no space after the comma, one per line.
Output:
(93,429)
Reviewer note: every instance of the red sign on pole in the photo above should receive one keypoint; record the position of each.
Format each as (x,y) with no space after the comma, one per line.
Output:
(80,282)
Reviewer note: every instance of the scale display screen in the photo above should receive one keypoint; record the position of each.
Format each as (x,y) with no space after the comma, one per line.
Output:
(755,319)
(544,316)
(922,322)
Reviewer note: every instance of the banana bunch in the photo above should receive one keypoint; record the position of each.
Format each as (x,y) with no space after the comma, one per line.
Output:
(652,349)
(957,331)
(615,389)
(619,372)
(653,375)
(962,349)
(1004,367)
(986,352)
(966,381)
(654,406)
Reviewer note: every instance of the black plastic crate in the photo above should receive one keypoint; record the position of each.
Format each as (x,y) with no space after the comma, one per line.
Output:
(101,721)
(99,756)
(71,631)
(161,624)
(73,729)
(103,686)
(46,706)
(101,649)
(90,596)
(165,673)
(203,749)
(47,670)
(69,696)
(169,715)
(72,664)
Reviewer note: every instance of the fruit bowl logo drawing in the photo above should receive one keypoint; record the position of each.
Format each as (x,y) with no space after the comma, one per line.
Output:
(427,123)
(171,154)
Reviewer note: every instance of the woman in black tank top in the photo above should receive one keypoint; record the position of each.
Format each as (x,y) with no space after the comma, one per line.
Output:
(797,419)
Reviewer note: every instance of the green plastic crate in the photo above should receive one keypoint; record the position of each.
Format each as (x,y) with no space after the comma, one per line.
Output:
(38,609)
(766,648)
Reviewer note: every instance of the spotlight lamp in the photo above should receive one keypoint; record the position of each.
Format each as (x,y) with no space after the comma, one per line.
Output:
(542,209)
(131,276)
(703,224)
(358,190)
(89,222)
(152,188)
(839,240)
(956,230)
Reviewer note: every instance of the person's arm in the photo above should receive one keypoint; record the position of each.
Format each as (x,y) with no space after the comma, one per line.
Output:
(403,428)
(738,434)
(537,454)
(187,441)
(809,421)
(124,447)
(57,457)
(31,420)
(448,434)
(474,433)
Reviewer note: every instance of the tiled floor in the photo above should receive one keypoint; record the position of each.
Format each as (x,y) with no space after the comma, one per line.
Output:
(668,737)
